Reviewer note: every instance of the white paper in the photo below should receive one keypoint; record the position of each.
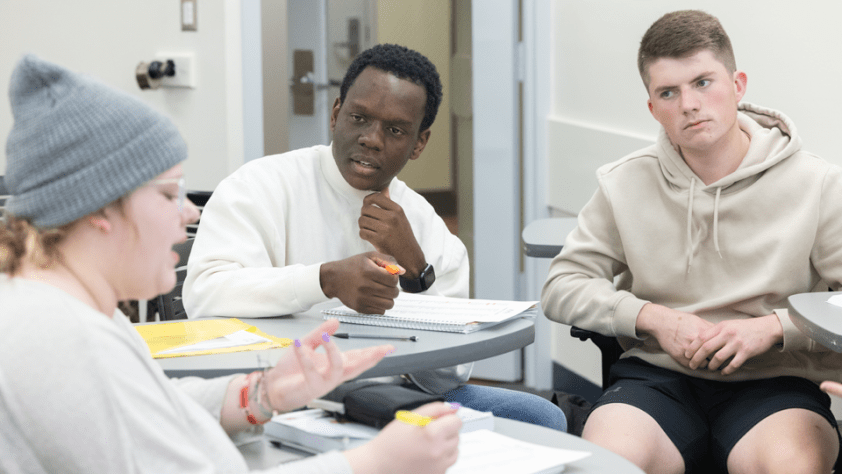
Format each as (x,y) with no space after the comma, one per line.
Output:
(473,420)
(492,453)
(236,339)
(835,300)
(317,422)
(411,307)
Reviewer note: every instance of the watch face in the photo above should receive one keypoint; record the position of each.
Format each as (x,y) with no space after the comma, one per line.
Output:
(424,281)
(428,277)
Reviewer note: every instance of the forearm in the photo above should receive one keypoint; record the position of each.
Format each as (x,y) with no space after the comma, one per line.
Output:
(580,288)
(793,339)
(244,390)
(652,318)
(412,259)
(238,263)
(590,302)
(216,289)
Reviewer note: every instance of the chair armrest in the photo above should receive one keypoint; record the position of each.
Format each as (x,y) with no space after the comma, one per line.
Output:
(583,334)
(608,347)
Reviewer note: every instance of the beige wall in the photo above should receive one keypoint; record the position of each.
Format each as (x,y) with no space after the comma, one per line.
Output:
(107,39)
(425,27)
(788,50)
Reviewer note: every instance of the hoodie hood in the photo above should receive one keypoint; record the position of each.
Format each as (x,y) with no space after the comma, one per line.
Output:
(774,138)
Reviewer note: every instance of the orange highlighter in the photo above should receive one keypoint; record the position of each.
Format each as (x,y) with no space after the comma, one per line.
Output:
(393,269)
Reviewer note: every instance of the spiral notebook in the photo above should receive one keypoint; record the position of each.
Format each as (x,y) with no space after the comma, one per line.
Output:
(439,313)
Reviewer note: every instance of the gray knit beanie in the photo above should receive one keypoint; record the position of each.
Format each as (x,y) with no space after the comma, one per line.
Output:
(78,145)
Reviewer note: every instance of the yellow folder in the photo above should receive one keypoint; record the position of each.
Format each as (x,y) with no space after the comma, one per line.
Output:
(166,336)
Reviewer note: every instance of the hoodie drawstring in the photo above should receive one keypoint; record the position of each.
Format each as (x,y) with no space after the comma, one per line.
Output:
(716,221)
(690,224)
(690,249)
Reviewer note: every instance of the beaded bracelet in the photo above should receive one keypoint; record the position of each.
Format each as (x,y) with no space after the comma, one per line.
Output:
(260,398)
(244,401)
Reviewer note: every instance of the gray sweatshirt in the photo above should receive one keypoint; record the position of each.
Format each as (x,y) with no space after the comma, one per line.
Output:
(79,393)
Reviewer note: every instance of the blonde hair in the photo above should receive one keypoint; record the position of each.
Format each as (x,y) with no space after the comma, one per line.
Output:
(20,240)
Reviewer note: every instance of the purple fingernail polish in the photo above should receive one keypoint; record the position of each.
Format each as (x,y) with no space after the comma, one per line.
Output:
(297,343)
(455,405)
(326,337)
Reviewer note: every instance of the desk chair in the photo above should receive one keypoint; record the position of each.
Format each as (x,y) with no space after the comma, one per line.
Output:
(544,238)
(609,349)
(170,306)
(199,198)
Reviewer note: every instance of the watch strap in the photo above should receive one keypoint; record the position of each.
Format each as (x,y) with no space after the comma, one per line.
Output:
(422,283)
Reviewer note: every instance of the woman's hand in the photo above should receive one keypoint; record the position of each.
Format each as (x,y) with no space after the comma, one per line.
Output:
(302,374)
(411,449)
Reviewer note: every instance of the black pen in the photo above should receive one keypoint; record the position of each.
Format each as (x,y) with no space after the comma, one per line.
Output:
(345,335)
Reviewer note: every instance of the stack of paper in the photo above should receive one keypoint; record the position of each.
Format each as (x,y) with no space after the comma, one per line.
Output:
(206,336)
(492,453)
(439,313)
(317,431)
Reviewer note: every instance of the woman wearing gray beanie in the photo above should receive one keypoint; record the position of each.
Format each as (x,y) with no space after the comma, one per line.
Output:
(98,200)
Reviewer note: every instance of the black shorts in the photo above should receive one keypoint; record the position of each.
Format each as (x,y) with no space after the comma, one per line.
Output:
(706,418)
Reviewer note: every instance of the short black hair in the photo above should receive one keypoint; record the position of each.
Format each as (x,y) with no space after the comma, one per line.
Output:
(403,63)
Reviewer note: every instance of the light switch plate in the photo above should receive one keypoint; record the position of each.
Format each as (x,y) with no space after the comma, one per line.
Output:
(185,70)
(188,15)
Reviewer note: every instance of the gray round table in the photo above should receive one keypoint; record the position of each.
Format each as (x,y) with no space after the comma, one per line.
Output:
(544,238)
(432,350)
(263,455)
(818,319)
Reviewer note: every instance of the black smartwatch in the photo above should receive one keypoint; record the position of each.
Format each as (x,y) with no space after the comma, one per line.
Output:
(423,283)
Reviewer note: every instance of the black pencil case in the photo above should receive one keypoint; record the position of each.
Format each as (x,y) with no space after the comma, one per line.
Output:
(375,405)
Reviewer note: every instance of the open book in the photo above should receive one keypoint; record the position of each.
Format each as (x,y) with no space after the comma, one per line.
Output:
(439,313)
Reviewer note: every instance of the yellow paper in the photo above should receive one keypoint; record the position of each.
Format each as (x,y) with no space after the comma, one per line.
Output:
(165,336)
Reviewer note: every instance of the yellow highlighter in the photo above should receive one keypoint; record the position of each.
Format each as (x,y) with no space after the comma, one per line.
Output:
(411,418)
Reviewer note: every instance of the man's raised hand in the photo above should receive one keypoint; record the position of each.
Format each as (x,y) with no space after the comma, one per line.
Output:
(361,282)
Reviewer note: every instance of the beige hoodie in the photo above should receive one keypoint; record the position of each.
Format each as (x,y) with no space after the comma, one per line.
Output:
(734,249)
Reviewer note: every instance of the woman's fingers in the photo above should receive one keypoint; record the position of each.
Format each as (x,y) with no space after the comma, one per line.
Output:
(358,361)
(316,337)
(304,357)
(333,374)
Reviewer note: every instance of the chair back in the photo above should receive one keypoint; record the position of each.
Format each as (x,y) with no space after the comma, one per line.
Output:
(199,198)
(169,305)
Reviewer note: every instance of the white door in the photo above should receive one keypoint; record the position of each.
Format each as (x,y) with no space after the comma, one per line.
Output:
(324,37)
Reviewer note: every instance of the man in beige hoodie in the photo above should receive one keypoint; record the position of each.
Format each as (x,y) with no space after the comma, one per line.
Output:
(687,252)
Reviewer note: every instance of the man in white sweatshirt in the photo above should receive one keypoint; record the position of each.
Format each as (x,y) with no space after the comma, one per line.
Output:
(687,252)
(288,231)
